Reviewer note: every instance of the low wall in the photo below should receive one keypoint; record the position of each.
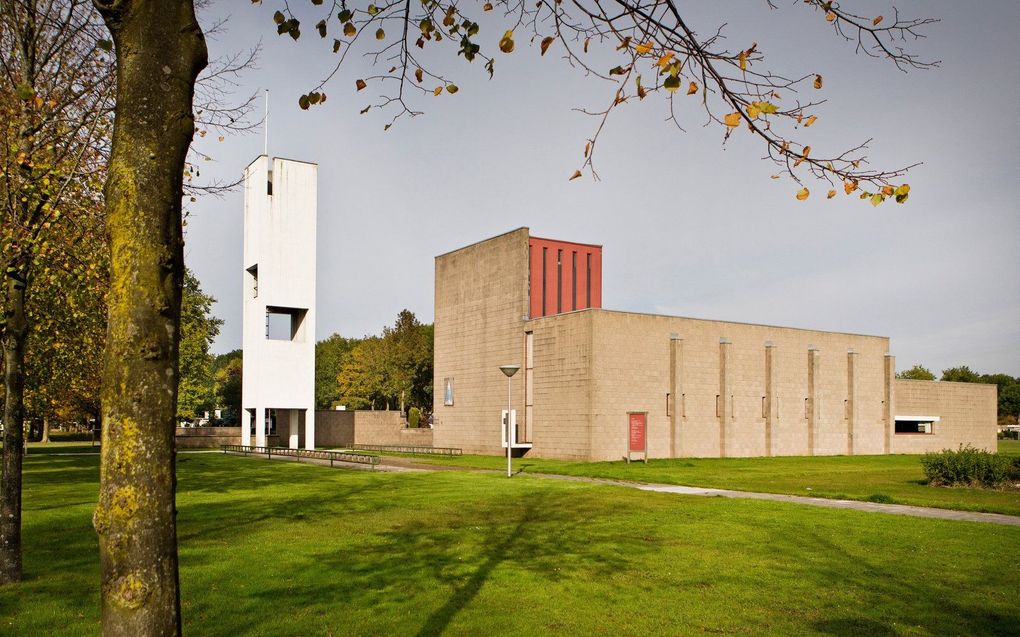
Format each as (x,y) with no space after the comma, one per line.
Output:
(346,428)
(207,437)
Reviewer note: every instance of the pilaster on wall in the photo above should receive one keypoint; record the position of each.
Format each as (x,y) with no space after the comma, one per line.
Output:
(676,362)
(769,389)
(888,410)
(722,400)
(814,358)
(851,411)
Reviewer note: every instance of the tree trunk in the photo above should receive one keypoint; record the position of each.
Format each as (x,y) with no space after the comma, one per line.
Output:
(15,333)
(160,50)
(45,429)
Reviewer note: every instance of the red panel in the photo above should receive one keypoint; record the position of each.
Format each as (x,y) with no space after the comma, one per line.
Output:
(637,432)
(566,300)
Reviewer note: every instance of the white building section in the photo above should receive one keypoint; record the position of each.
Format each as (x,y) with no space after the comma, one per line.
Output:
(278,387)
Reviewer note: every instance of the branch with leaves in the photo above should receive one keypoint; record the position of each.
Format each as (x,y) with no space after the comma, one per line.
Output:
(659,53)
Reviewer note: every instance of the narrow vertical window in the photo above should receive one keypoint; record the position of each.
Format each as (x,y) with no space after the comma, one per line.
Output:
(587,293)
(559,281)
(573,280)
(545,252)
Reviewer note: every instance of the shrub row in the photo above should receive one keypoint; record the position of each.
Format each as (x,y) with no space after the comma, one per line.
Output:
(969,467)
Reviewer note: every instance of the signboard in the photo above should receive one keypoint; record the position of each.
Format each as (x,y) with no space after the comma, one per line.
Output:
(636,430)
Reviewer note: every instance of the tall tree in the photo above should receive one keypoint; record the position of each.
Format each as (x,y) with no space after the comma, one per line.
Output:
(961,374)
(330,354)
(160,51)
(54,109)
(196,392)
(228,372)
(917,372)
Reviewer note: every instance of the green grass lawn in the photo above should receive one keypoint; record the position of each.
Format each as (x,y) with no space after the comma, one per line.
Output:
(280,548)
(895,479)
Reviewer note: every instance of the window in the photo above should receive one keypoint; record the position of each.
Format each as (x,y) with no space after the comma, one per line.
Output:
(285,323)
(559,281)
(573,281)
(916,424)
(545,259)
(448,391)
(253,280)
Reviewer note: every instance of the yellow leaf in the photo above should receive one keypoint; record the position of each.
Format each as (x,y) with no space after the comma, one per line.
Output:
(587,149)
(544,46)
(360,84)
(743,61)
(349,30)
(664,60)
(830,16)
(850,185)
(732,120)
(774,177)
(577,173)
(809,121)
(643,49)
(437,90)
(807,151)
(902,190)
(693,88)
(877,19)
(380,34)
(818,81)
(887,191)
(506,43)
(803,194)
(451,88)
(876,199)
(752,110)
(831,194)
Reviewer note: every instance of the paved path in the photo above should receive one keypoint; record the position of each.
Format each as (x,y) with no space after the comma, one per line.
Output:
(857,505)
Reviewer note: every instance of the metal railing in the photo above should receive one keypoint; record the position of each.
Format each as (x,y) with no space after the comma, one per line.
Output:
(434,451)
(318,454)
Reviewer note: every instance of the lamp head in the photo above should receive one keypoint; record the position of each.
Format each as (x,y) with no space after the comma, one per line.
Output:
(509,370)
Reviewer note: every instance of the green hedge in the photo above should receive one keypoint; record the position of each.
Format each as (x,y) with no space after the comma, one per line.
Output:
(969,467)
(413,417)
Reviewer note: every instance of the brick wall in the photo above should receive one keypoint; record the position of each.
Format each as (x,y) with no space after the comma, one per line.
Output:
(967,411)
(481,297)
(206,437)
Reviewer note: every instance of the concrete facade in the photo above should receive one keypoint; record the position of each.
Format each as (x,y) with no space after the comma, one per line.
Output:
(279,302)
(709,388)
(345,428)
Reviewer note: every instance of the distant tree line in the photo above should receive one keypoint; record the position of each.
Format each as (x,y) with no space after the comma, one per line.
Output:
(1009,386)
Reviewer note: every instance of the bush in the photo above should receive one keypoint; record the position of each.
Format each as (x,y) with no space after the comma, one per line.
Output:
(969,467)
(413,417)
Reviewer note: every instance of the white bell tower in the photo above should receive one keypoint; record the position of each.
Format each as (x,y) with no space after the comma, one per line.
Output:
(278,388)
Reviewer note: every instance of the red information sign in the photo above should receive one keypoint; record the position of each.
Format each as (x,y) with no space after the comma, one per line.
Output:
(637,432)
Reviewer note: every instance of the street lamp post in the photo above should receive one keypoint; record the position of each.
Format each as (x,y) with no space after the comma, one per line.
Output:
(509,370)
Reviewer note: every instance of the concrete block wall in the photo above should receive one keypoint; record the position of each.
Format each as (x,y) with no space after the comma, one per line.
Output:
(206,437)
(481,306)
(967,410)
(345,428)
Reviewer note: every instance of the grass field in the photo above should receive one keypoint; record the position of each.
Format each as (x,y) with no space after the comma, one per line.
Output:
(279,548)
(893,479)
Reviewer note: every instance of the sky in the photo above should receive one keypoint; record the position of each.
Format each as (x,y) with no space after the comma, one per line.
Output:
(690,226)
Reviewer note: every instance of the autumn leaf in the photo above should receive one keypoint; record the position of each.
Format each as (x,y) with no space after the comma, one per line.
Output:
(732,120)
(506,43)
(418,74)
(831,194)
(487,7)
(544,46)
(350,30)
(451,88)
(877,19)
(672,84)
(752,110)
(830,16)
(618,70)
(818,81)
(807,151)
(693,88)
(743,60)
(902,190)
(803,194)
(876,199)
(850,185)
(643,49)
(360,84)
(664,60)
(380,34)
(577,173)
(437,91)
(587,149)
(811,120)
